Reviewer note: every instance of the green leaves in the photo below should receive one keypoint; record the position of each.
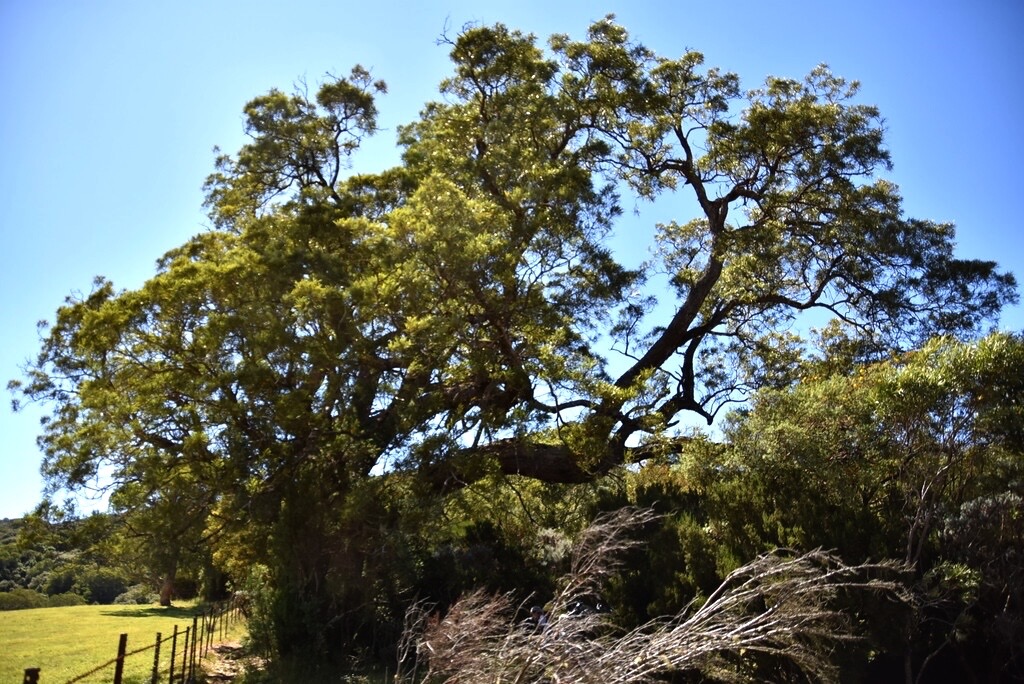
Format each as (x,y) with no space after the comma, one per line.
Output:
(907,439)
(466,313)
(298,144)
(472,293)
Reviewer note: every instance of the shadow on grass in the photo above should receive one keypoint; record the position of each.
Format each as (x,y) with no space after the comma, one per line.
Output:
(160,611)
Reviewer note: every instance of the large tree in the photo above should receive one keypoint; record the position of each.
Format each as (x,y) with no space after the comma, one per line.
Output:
(465,312)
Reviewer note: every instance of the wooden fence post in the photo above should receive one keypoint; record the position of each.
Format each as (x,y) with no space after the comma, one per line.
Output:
(194,647)
(184,656)
(156,659)
(174,649)
(192,656)
(204,637)
(122,648)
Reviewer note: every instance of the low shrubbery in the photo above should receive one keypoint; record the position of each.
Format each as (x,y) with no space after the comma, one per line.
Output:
(138,594)
(21,599)
(67,599)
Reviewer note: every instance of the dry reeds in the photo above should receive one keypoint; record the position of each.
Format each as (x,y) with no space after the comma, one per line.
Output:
(780,608)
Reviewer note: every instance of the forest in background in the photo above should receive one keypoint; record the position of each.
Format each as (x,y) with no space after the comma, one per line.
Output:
(359,396)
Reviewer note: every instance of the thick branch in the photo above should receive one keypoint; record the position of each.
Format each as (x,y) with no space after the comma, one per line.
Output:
(554,463)
(678,330)
(545,462)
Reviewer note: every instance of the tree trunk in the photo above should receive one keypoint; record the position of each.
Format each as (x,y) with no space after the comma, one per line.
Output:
(167,588)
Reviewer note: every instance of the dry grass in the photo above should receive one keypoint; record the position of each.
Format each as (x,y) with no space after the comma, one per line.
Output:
(778,608)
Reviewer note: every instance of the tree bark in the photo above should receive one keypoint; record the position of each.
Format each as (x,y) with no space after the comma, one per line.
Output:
(553,463)
(167,587)
(545,462)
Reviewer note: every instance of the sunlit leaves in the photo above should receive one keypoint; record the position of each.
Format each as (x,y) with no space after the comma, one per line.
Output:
(338,340)
(904,440)
(298,144)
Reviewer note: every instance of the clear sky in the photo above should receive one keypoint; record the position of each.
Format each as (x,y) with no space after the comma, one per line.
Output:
(110,110)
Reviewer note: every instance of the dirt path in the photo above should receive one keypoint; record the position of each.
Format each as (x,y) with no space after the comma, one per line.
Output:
(227,661)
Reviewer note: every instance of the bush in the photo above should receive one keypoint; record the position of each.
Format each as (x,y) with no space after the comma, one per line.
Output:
(186,588)
(20,599)
(138,594)
(66,599)
(258,596)
(60,582)
(102,586)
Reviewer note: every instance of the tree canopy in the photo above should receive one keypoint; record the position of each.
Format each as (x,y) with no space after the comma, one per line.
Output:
(465,312)
(469,300)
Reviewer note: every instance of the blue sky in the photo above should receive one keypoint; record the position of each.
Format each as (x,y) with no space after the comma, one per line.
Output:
(111,110)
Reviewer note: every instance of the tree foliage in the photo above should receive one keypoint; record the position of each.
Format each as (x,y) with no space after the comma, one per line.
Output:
(464,314)
(918,458)
(72,562)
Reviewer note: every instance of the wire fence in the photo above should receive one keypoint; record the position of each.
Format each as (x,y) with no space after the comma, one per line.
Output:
(187,648)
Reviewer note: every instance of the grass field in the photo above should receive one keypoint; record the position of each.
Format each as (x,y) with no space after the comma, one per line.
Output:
(67,642)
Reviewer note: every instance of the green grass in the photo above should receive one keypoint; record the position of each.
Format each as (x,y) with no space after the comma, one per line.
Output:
(68,642)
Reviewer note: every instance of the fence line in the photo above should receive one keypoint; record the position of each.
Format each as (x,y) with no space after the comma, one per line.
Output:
(196,643)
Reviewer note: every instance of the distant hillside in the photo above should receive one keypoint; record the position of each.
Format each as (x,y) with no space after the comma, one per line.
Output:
(59,564)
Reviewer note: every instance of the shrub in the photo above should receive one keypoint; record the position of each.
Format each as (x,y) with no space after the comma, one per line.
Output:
(258,594)
(186,588)
(20,599)
(102,585)
(60,582)
(138,594)
(774,619)
(66,599)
